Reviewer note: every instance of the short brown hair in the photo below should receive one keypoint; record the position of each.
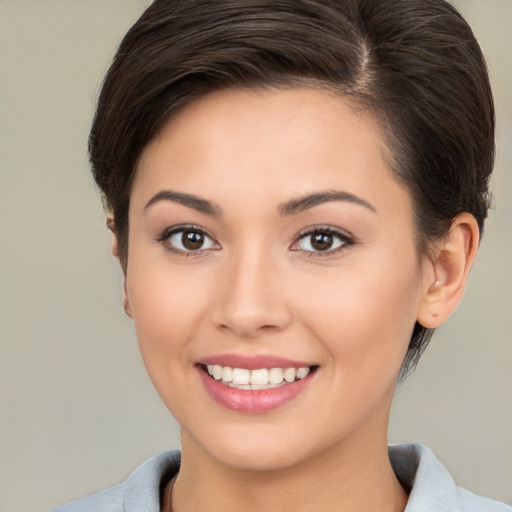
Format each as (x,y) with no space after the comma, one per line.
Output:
(414,65)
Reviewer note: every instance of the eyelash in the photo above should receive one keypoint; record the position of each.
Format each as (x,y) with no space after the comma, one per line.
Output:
(345,240)
(166,236)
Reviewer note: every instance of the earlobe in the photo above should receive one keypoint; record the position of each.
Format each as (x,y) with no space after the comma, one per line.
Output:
(446,278)
(126,300)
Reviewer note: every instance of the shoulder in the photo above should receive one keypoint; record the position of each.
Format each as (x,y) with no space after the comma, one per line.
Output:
(140,491)
(432,487)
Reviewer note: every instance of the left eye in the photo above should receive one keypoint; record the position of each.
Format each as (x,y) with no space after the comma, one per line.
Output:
(189,240)
(321,241)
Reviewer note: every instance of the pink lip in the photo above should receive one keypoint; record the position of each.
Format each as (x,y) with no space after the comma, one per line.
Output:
(252,362)
(252,401)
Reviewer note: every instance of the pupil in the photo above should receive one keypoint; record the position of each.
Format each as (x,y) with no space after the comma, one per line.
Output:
(321,241)
(192,240)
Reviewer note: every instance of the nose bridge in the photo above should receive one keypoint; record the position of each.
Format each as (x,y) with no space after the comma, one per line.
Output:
(250,297)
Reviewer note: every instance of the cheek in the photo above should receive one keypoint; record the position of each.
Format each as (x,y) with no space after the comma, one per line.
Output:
(364,315)
(167,310)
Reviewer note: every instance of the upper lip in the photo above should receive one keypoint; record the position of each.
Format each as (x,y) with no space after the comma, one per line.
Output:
(252,362)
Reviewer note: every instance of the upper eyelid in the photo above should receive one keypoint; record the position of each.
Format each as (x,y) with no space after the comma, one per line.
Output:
(325,228)
(167,232)
(342,233)
(347,238)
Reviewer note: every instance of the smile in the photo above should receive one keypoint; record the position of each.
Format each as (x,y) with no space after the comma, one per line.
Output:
(257,379)
(254,384)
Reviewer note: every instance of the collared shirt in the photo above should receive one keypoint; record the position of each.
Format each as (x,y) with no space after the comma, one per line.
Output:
(417,468)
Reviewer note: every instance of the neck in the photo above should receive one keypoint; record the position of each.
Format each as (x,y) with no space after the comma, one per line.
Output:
(355,476)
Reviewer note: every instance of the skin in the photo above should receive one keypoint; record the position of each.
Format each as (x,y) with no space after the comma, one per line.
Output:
(257,288)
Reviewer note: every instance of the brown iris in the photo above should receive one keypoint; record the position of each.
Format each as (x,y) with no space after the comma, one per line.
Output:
(321,241)
(192,240)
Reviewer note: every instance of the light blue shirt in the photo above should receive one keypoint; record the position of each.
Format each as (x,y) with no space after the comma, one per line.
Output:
(417,468)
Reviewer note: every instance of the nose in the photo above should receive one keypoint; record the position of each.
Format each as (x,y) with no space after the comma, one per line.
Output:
(251,296)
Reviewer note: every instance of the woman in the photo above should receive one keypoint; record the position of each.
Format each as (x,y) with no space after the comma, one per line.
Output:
(297,191)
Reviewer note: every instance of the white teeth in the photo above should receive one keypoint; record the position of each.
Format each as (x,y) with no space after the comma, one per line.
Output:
(259,376)
(227,374)
(241,376)
(262,378)
(217,372)
(253,387)
(289,374)
(275,376)
(303,372)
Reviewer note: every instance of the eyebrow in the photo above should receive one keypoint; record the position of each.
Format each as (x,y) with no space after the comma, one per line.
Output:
(190,200)
(305,203)
(289,208)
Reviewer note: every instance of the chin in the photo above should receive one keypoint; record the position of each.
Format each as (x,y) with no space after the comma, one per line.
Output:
(259,459)
(249,449)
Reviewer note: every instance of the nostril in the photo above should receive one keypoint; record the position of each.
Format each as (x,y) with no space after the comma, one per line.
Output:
(267,327)
(247,330)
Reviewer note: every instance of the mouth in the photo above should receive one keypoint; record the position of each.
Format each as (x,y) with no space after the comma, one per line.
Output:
(256,379)
(254,385)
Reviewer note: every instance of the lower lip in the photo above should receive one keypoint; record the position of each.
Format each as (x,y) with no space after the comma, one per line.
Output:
(253,401)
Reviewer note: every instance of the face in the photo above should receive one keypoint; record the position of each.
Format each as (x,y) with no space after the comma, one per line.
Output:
(272,276)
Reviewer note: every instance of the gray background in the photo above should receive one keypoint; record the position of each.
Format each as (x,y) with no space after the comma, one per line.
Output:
(78,412)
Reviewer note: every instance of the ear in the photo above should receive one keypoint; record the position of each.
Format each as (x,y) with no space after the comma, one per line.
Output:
(446,274)
(111,227)
(126,301)
(115,252)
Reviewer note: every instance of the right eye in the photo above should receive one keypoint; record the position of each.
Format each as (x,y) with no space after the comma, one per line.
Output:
(187,240)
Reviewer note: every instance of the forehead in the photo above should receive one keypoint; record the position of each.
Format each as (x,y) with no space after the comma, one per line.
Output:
(270,142)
